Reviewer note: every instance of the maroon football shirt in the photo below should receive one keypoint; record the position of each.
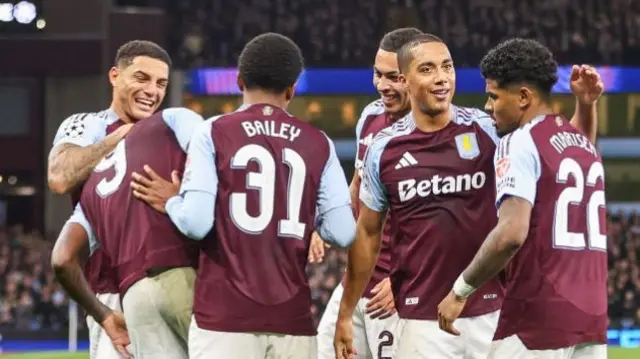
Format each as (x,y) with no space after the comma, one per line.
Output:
(439,187)
(251,275)
(134,236)
(373,120)
(556,290)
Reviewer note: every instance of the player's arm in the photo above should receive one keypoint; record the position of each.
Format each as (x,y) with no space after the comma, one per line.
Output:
(75,153)
(69,253)
(192,210)
(354,187)
(364,251)
(587,86)
(336,224)
(517,174)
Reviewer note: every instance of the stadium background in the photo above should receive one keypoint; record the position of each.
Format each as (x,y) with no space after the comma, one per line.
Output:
(53,61)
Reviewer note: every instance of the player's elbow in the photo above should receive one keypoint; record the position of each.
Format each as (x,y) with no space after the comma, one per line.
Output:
(61,259)
(515,234)
(344,236)
(57,183)
(197,230)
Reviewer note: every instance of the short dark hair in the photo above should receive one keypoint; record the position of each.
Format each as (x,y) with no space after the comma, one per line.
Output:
(270,62)
(132,49)
(394,40)
(405,55)
(521,61)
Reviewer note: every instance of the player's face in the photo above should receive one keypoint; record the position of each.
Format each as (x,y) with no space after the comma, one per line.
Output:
(140,87)
(504,105)
(431,79)
(387,82)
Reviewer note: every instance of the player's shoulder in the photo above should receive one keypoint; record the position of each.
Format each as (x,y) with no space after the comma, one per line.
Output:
(518,142)
(372,109)
(397,131)
(467,116)
(83,119)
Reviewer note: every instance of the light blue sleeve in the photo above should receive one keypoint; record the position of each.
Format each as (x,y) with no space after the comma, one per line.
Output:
(78,217)
(338,227)
(81,129)
(517,168)
(192,211)
(335,223)
(183,122)
(372,191)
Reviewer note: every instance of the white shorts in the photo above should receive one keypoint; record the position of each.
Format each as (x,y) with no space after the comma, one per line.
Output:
(100,346)
(424,338)
(158,312)
(228,345)
(372,338)
(512,347)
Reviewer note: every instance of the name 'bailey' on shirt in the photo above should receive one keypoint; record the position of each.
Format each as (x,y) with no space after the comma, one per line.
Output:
(271,128)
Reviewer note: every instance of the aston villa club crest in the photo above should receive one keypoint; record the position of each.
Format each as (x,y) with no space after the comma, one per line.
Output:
(267,111)
(467,144)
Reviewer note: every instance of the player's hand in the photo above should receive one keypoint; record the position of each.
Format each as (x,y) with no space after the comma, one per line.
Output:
(154,189)
(382,305)
(116,328)
(586,84)
(448,311)
(316,249)
(343,340)
(122,131)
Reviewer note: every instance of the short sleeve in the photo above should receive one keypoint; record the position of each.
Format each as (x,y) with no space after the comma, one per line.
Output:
(183,122)
(200,170)
(372,191)
(78,217)
(82,129)
(517,167)
(374,108)
(334,190)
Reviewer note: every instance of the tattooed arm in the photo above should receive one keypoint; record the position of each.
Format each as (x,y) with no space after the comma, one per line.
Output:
(70,164)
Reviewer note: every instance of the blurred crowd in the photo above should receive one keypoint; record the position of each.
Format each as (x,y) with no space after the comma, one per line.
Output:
(624,270)
(30,298)
(346,33)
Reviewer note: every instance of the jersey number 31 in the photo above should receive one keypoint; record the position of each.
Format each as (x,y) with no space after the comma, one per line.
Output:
(265,182)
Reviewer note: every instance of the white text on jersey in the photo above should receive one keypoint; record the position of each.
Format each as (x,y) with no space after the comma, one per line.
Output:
(563,140)
(408,189)
(271,128)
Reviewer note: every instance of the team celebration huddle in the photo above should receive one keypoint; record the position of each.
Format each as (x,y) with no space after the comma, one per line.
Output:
(471,233)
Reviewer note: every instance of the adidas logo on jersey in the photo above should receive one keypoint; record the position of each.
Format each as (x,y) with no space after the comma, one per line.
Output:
(407,160)
(437,185)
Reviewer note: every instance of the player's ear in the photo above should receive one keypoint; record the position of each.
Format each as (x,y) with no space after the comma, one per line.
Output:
(114,72)
(525,96)
(240,83)
(289,92)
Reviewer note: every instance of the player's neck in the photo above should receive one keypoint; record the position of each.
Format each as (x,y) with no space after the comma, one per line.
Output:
(122,115)
(430,123)
(259,97)
(541,110)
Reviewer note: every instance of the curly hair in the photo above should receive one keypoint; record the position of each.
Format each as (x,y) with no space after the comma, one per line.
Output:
(270,62)
(521,61)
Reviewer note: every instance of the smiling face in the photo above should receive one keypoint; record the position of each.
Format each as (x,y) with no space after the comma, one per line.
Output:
(431,77)
(140,86)
(387,82)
